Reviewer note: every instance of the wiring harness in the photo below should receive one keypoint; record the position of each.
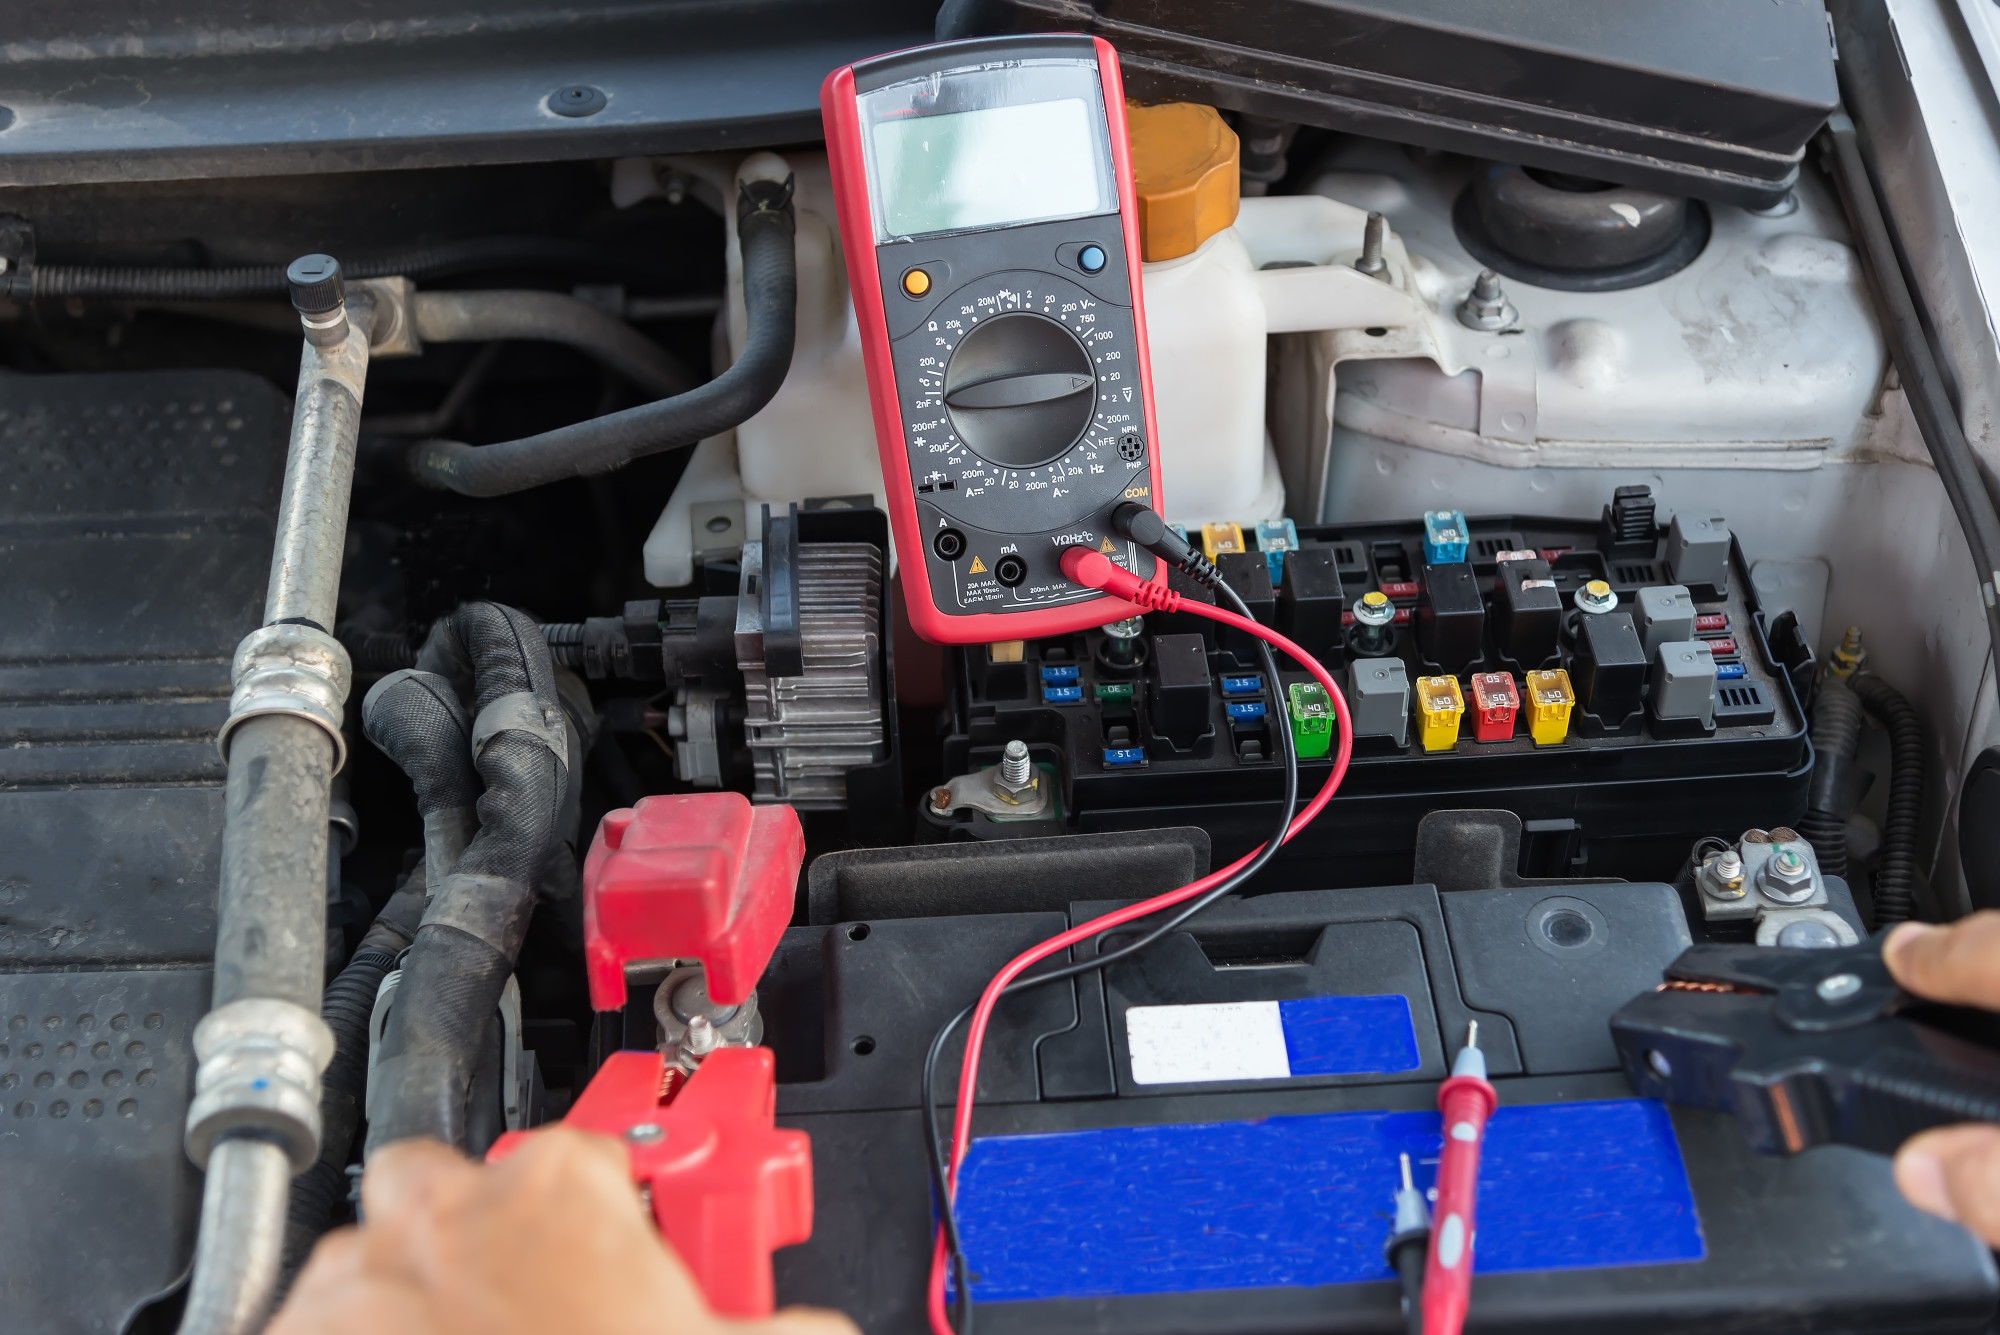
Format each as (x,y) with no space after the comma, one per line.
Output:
(1094,570)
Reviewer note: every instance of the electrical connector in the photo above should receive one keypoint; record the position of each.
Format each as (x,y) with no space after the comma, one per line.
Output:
(1168,542)
(1445,538)
(1275,537)
(1550,699)
(1217,539)
(1248,684)
(1311,719)
(1440,706)
(1495,701)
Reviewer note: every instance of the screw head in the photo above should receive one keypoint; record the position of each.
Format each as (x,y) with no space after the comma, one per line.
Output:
(1375,609)
(645,1133)
(577,100)
(1838,987)
(1595,597)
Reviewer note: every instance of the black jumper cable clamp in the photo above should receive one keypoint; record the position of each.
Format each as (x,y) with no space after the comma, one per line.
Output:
(1809,1047)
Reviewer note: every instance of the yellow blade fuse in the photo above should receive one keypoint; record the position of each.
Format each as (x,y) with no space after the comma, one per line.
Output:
(1440,705)
(1549,702)
(1216,539)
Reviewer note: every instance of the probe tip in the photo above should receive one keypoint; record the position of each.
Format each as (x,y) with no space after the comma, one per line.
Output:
(1408,1184)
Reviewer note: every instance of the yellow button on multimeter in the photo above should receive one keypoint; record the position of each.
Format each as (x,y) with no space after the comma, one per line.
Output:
(916,282)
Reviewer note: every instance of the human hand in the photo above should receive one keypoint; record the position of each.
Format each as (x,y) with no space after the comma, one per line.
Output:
(1953,1171)
(553,1238)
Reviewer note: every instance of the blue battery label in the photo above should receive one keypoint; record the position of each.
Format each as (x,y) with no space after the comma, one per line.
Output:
(1300,1201)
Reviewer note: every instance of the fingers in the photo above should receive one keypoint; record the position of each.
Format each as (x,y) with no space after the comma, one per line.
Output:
(402,1175)
(1959,964)
(1954,1173)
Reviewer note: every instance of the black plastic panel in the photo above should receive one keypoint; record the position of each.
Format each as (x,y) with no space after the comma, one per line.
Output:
(1715,98)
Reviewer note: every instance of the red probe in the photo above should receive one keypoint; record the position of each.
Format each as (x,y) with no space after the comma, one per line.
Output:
(1466,1101)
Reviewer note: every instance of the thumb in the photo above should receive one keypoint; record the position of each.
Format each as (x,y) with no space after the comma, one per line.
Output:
(1959,964)
(1954,1173)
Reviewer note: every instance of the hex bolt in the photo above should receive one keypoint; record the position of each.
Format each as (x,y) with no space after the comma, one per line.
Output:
(645,1133)
(1015,780)
(1725,870)
(1787,877)
(1374,614)
(1595,597)
(701,1036)
(1372,237)
(1121,640)
(1838,987)
(1486,307)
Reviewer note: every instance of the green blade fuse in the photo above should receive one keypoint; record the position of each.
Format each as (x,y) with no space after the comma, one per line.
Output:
(1312,719)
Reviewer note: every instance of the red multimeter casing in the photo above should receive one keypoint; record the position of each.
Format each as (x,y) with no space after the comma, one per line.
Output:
(986,207)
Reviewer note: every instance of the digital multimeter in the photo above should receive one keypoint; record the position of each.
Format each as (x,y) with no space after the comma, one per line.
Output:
(986,207)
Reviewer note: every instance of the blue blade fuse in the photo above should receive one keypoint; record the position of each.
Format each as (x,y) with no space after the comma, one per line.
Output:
(1444,536)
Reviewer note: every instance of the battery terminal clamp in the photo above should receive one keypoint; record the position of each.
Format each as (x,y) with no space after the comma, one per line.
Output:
(1808,1047)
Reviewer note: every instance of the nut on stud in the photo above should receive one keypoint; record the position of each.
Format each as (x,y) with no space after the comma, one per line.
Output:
(1015,780)
(1786,877)
(1596,596)
(1486,307)
(1722,874)
(1375,609)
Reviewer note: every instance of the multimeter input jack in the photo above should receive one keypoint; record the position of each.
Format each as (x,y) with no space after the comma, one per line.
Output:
(949,544)
(1010,570)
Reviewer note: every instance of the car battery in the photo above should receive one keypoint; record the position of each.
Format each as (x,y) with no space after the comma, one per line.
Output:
(1206,1137)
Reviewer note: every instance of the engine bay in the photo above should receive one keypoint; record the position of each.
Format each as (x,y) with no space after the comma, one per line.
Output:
(481,654)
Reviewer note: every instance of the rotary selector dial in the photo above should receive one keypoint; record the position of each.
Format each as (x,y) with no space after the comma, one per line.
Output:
(1021,399)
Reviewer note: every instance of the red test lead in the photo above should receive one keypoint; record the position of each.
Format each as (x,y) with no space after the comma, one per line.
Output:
(1466,1100)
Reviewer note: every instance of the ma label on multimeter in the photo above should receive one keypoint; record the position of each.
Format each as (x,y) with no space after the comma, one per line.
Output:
(986,208)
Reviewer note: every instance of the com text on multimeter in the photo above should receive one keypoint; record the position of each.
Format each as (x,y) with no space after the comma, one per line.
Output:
(986,208)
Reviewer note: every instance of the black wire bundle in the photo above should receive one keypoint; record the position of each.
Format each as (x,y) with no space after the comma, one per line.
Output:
(934,1140)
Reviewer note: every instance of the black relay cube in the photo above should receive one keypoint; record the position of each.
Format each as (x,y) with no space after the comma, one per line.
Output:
(1609,667)
(1310,602)
(1527,611)
(1182,690)
(1451,617)
(1249,575)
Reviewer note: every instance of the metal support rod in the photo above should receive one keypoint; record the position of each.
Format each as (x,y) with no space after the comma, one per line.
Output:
(254,1121)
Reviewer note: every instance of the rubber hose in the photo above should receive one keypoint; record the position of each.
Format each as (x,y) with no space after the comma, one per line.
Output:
(478,917)
(1836,737)
(244,281)
(764,228)
(1896,867)
(416,719)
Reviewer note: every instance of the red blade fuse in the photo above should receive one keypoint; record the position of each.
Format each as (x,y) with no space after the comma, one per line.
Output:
(1466,1101)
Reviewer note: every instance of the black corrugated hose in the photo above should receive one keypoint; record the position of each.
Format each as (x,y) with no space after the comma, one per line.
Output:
(765,227)
(346,1006)
(242,282)
(1836,736)
(1896,866)
(478,916)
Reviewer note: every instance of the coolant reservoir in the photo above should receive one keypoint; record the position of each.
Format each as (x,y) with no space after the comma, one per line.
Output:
(1204,319)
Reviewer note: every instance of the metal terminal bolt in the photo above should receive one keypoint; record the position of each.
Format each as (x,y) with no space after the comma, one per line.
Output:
(941,801)
(1838,987)
(1787,877)
(1486,307)
(1372,237)
(1595,597)
(1121,640)
(1725,874)
(1015,780)
(701,1036)
(1375,609)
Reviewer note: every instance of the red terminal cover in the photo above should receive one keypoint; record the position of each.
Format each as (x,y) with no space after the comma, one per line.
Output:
(840,114)
(1495,700)
(702,875)
(728,1186)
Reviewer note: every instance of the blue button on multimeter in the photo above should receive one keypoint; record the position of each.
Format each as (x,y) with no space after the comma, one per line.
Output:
(1090,259)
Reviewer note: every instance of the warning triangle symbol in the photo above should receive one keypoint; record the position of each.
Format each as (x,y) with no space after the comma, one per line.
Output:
(978,566)
(1107,546)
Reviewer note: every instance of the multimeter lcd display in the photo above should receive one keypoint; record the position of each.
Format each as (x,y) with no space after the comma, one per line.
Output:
(987,147)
